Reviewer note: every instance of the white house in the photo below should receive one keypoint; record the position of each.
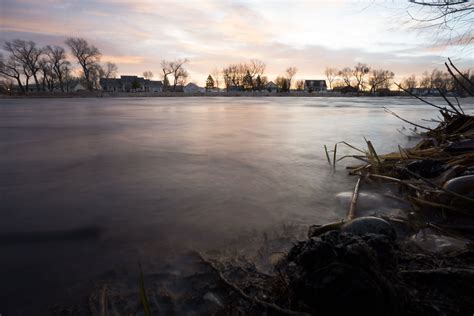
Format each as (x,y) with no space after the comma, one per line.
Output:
(193,88)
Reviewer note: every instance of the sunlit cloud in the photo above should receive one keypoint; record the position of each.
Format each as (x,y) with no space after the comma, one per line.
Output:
(137,35)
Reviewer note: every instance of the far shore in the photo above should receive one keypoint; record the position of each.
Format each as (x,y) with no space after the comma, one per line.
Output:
(100,94)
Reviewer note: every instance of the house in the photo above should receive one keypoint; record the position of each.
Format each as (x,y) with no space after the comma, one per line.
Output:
(345,89)
(271,87)
(315,85)
(193,88)
(130,83)
(78,87)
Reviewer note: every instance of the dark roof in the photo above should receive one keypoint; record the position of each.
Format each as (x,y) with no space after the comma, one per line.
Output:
(129,79)
(315,83)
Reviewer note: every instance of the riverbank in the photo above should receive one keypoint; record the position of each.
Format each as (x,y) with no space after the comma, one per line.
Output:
(100,94)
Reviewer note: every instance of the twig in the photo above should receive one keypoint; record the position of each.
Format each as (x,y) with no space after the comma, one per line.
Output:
(449,102)
(460,73)
(327,155)
(440,187)
(406,121)
(457,79)
(423,100)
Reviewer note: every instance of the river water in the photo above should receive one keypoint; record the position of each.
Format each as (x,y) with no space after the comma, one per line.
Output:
(90,185)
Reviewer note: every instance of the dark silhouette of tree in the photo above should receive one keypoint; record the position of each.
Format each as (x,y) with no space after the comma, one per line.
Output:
(209,83)
(360,71)
(448,17)
(48,77)
(148,75)
(88,57)
(331,75)
(300,85)
(60,66)
(247,82)
(258,84)
(176,69)
(282,84)
(110,70)
(26,54)
(234,74)
(346,76)
(410,83)
(380,79)
(11,68)
(290,73)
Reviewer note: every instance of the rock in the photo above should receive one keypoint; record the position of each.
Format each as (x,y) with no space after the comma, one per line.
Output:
(343,274)
(461,185)
(369,225)
(466,145)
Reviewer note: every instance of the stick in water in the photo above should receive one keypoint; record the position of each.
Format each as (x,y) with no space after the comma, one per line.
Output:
(355,196)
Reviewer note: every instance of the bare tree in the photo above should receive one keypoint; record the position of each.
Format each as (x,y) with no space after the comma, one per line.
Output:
(180,77)
(409,83)
(88,56)
(110,70)
(11,68)
(282,84)
(27,54)
(256,68)
(331,75)
(290,73)
(7,85)
(48,76)
(452,18)
(380,78)
(60,66)
(300,85)
(346,75)
(175,68)
(359,72)
(179,73)
(148,75)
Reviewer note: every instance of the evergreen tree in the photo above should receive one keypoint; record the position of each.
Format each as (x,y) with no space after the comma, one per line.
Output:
(258,83)
(247,82)
(209,83)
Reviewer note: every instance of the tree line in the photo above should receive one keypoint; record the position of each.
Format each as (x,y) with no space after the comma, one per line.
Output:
(47,68)
(249,76)
(362,78)
(35,68)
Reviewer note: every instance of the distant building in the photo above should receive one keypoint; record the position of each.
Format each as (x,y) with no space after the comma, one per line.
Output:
(345,89)
(78,87)
(315,85)
(271,87)
(193,88)
(130,83)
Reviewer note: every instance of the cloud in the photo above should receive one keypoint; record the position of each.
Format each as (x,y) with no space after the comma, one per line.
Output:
(310,35)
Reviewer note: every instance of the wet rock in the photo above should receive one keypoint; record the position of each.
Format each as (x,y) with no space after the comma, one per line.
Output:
(369,225)
(466,145)
(461,185)
(340,273)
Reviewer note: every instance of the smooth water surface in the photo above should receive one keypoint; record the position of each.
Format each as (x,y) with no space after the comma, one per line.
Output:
(91,184)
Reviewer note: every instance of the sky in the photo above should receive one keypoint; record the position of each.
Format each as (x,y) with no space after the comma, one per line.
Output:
(309,35)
